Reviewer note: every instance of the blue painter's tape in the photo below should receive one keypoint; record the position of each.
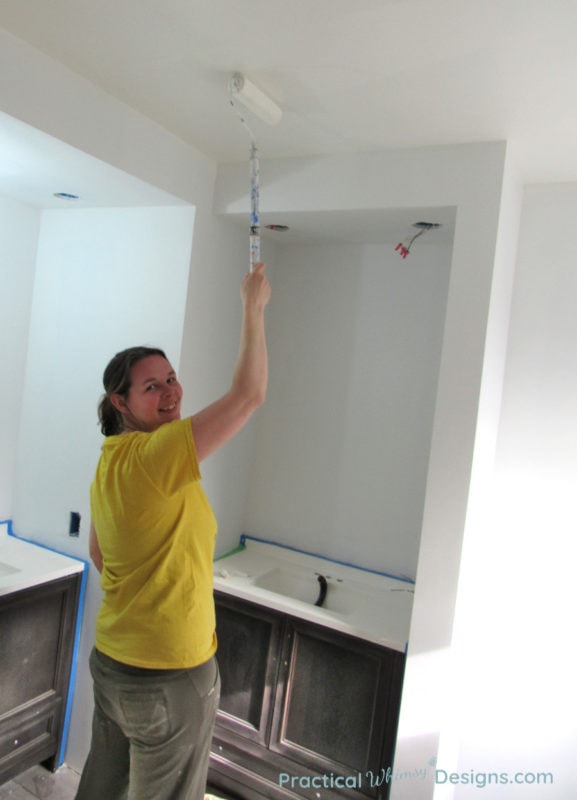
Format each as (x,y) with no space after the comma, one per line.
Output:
(245,537)
(73,667)
(10,531)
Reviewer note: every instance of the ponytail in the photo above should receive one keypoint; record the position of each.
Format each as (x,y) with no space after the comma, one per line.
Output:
(111,422)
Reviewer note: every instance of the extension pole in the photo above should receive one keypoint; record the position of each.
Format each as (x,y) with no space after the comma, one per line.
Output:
(250,96)
(254,237)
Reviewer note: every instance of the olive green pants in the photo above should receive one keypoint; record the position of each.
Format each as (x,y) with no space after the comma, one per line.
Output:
(151,732)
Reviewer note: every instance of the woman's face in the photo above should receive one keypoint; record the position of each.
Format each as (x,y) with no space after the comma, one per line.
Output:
(153,398)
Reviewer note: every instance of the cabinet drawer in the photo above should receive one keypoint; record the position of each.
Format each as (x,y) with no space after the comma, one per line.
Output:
(34,734)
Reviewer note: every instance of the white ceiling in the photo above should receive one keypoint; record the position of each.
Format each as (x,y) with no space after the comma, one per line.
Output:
(35,166)
(350,75)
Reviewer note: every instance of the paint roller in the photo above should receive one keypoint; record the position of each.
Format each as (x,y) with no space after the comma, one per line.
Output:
(251,97)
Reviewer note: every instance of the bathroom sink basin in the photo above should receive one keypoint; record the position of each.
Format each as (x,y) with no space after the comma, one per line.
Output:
(304,585)
(361,602)
(6,569)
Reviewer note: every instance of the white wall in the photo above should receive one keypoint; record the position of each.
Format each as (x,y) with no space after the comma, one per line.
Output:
(514,690)
(471,179)
(209,349)
(343,440)
(19,226)
(481,181)
(84,309)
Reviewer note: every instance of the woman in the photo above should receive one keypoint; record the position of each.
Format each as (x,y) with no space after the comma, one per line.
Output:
(156,682)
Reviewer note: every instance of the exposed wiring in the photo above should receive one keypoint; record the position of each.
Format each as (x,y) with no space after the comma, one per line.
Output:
(404,247)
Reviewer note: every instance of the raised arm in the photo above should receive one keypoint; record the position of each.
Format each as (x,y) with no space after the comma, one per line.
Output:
(220,421)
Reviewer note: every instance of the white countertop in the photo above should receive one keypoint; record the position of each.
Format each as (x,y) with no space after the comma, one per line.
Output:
(362,603)
(24,564)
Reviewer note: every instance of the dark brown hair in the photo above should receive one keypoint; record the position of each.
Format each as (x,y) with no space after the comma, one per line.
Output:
(116,380)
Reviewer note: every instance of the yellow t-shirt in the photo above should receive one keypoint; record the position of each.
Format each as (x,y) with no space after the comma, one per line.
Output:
(156,531)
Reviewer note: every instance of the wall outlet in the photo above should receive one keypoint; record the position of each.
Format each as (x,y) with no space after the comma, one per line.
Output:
(74,527)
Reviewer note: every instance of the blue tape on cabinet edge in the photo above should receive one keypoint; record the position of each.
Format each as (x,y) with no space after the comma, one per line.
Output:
(73,667)
(77,632)
(245,536)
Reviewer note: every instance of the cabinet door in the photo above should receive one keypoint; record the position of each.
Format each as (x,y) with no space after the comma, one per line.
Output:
(340,702)
(248,646)
(36,643)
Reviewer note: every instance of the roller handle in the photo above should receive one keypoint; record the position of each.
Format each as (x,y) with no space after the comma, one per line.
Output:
(254,237)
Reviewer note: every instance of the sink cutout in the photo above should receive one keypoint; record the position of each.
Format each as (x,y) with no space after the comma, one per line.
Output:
(341,597)
(301,586)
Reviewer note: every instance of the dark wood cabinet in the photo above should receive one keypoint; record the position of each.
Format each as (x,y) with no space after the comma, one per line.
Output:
(37,628)
(306,711)
(248,646)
